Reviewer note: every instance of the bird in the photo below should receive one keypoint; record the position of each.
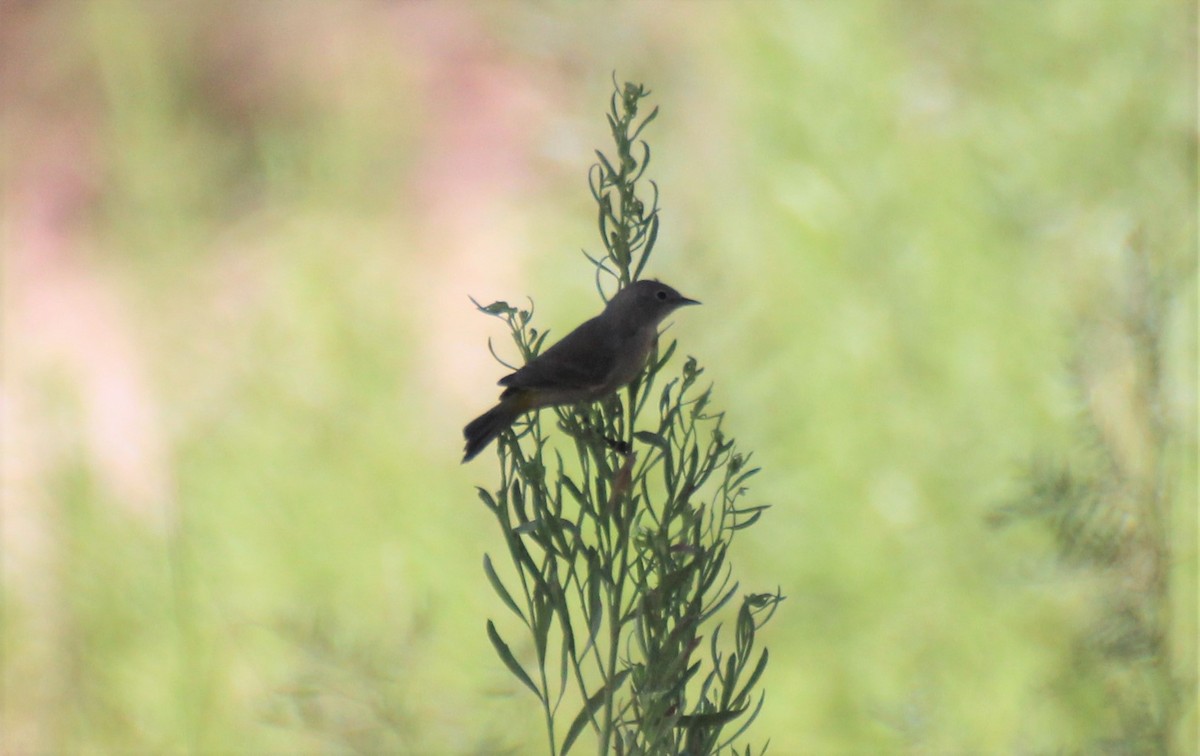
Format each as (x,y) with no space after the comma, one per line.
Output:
(596,359)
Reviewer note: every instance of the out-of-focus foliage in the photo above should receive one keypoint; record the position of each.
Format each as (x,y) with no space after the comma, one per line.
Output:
(238,241)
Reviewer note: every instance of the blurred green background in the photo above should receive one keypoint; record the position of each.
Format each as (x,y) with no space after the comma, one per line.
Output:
(238,244)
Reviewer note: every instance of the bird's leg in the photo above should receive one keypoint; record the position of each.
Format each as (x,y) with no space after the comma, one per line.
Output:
(617,445)
(584,426)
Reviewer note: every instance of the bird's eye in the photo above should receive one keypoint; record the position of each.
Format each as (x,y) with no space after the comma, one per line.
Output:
(662,295)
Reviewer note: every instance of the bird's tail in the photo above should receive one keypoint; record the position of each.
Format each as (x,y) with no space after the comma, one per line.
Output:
(480,431)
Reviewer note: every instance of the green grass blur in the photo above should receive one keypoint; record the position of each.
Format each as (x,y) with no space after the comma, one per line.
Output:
(239,240)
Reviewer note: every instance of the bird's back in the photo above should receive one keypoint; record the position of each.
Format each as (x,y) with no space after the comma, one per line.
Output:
(581,361)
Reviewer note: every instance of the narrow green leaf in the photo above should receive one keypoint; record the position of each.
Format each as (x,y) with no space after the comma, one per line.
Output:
(757,673)
(653,439)
(527,528)
(595,604)
(741,478)
(536,347)
(645,162)
(602,221)
(612,174)
(746,725)
(590,707)
(592,181)
(653,237)
(729,679)
(496,308)
(662,360)
(525,559)
(567,649)
(721,602)
(543,617)
(710,719)
(690,467)
(644,123)
(518,502)
(534,526)
(573,489)
(500,590)
(754,512)
(712,568)
(488,500)
(744,631)
(509,660)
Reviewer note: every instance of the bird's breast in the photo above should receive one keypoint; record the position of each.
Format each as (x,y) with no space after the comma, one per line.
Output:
(631,358)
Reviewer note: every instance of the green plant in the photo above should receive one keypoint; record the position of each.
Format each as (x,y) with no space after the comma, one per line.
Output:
(1114,511)
(620,541)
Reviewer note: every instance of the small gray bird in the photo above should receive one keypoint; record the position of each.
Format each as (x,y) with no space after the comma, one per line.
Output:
(604,354)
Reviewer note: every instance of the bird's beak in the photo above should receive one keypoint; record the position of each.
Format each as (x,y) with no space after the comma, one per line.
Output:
(685,301)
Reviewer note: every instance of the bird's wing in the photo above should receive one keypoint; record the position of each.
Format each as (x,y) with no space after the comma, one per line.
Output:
(583,359)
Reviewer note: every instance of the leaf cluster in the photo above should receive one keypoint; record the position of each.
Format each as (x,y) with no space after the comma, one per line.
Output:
(1110,515)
